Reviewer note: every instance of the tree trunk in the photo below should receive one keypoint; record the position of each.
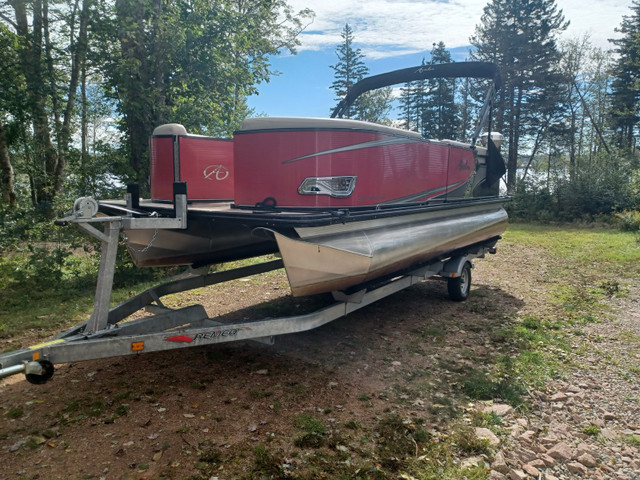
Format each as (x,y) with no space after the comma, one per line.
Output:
(7,179)
(45,159)
(84,125)
(78,60)
(514,137)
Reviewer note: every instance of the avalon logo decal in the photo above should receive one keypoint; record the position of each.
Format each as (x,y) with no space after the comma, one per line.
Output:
(217,172)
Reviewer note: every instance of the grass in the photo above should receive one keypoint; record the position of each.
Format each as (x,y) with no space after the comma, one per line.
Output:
(82,408)
(489,420)
(50,295)
(586,265)
(581,269)
(580,246)
(592,430)
(314,430)
(14,413)
(633,440)
(309,424)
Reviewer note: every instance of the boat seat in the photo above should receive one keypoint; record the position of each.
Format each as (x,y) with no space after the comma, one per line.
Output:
(286,123)
(170,129)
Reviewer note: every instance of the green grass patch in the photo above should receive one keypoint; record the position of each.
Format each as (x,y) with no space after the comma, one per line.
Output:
(314,430)
(432,333)
(479,385)
(48,287)
(309,423)
(82,408)
(14,413)
(488,419)
(48,291)
(257,394)
(396,437)
(468,443)
(593,430)
(633,440)
(353,425)
(431,458)
(584,248)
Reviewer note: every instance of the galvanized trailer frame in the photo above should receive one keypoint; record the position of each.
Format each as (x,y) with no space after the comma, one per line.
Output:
(108,333)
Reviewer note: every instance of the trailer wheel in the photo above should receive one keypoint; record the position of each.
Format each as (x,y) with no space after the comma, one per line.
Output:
(45,376)
(460,286)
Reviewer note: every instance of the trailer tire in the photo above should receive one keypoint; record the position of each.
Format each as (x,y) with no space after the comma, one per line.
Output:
(460,286)
(44,377)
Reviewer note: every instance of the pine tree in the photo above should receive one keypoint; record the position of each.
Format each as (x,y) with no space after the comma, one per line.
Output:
(520,36)
(412,102)
(406,106)
(439,113)
(374,106)
(349,69)
(626,83)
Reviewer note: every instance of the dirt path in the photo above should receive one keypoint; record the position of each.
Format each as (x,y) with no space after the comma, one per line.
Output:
(358,398)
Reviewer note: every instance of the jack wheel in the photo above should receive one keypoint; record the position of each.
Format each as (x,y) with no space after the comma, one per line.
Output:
(460,286)
(45,376)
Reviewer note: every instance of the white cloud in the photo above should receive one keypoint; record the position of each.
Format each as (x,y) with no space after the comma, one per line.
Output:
(392,27)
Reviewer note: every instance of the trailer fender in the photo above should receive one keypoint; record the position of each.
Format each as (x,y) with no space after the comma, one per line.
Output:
(453,267)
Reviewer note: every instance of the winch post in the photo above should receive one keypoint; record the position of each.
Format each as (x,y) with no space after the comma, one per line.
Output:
(100,315)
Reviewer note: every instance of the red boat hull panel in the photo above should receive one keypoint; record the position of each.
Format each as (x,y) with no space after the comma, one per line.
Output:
(206,164)
(162,168)
(389,168)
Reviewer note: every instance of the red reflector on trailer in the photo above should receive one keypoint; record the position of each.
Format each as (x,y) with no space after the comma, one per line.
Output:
(180,338)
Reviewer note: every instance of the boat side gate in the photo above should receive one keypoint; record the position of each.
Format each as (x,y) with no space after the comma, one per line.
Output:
(107,334)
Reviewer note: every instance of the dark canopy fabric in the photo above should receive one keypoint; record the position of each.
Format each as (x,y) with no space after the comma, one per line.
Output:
(422,72)
(496,167)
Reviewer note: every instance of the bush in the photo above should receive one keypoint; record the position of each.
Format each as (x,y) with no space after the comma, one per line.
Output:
(629,220)
(37,255)
(599,186)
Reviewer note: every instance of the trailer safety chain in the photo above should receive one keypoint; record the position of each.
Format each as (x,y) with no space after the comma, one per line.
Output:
(155,234)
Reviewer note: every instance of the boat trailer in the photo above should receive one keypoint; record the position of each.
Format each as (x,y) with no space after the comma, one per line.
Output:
(109,332)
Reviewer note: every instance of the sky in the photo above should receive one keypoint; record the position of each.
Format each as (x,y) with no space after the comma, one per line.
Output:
(396,34)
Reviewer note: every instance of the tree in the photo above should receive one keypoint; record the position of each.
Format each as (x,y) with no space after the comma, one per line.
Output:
(429,106)
(520,36)
(7,178)
(50,50)
(439,112)
(190,62)
(11,95)
(626,83)
(349,70)
(372,106)
(583,117)
(412,102)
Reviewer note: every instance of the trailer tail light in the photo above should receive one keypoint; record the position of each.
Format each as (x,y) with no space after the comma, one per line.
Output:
(493,250)
(338,187)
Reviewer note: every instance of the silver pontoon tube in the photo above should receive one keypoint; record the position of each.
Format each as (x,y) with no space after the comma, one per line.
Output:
(340,256)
